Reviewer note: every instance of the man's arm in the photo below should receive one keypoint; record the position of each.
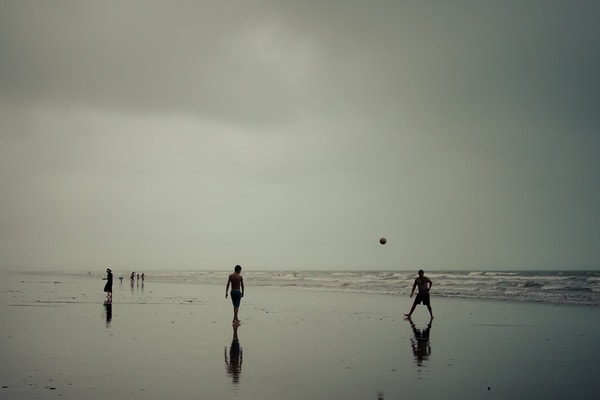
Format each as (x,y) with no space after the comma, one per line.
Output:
(227,287)
(429,283)
(242,285)
(413,288)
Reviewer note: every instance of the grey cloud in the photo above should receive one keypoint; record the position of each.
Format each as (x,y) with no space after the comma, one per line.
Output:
(267,62)
(201,58)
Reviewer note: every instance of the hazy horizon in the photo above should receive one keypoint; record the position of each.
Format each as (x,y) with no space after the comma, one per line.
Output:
(293,135)
(124,270)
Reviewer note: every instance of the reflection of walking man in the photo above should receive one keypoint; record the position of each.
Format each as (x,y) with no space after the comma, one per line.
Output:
(233,364)
(424,284)
(237,291)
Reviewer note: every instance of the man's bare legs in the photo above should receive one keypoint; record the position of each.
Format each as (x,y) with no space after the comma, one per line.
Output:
(235,315)
(413,309)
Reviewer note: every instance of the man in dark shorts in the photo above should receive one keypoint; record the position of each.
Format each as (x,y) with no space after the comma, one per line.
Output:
(237,291)
(424,284)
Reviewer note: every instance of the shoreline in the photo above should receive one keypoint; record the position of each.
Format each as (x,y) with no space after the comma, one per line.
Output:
(218,278)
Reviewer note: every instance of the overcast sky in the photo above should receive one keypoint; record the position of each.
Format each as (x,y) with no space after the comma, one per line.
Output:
(294,134)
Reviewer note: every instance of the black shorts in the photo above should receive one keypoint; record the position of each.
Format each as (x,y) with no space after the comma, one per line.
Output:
(422,297)
(236,297)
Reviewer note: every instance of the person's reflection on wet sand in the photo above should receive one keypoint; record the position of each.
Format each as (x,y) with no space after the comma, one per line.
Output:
(420,342)
(108,311)
(233,363)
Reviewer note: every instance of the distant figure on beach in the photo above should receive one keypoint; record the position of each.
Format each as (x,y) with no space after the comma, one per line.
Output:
(132,276)
(424,284)
(143,277)
(233,364)
(237,291)
(121,279)
(108,286)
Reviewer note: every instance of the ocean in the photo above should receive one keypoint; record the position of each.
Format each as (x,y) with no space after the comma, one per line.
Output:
(556,287)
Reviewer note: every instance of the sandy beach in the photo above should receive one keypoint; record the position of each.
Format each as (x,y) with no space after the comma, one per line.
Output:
(171,340)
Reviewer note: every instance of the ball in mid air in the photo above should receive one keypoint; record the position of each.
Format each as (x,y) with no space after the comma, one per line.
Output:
(383,240)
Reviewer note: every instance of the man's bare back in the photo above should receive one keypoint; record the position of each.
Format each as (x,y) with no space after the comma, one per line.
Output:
(236,281)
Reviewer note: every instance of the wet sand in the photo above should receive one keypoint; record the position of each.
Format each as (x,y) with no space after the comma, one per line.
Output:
(164,340)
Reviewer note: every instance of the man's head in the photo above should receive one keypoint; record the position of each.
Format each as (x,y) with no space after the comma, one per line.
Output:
(421,272)
(238,268)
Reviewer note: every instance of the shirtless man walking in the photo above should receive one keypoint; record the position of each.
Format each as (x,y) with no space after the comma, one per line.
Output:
(237,291)
(424,284)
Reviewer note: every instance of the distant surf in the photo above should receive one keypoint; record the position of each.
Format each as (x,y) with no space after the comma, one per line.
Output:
(557,287)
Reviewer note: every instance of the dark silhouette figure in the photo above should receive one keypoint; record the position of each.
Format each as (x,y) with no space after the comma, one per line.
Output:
(424,284)
(236,280)
(109,284)
(233,363)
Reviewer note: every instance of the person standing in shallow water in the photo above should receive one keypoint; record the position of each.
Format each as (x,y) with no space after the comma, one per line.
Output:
(237,291)
(109,284)
(424,284)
